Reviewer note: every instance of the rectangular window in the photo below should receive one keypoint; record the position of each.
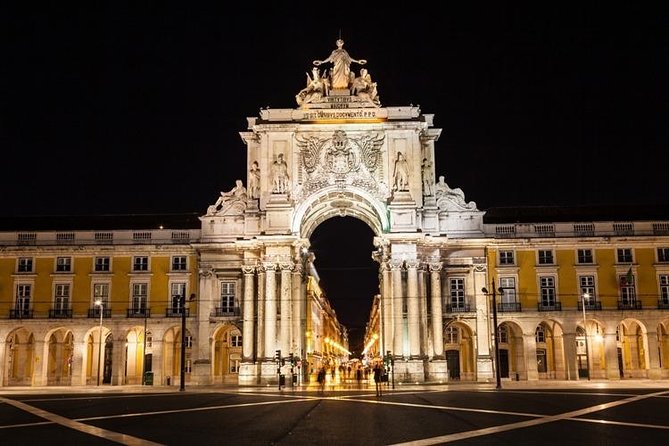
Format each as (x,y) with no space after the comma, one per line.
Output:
(664,290)
(25,265)
(457,289)
(140,296)
(547,291)
(179,263)
(63,264)
(23,296)
(178,290)
(101,293)
(584,256)
(508,288)
(102,265)
(545,257)
(627,291)
(62,297)
(624,255)
(506,258)
(587,289)
(663,255)
(140,263)
(236,340)
(227,297)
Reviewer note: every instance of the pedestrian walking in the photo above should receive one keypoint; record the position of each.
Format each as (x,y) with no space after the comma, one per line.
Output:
(377,378)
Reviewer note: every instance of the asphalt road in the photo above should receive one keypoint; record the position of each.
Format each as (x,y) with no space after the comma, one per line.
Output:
(417,415)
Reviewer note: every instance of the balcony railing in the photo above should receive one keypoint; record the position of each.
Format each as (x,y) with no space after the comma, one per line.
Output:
(629,305)
(226,311)
(176,312)
(555,306)
(590,306)
(457,308)
(20,314)
(60,313)
(139,312)
(95,312)
(508,307)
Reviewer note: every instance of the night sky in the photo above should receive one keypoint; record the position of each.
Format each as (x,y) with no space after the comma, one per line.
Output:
(114,110)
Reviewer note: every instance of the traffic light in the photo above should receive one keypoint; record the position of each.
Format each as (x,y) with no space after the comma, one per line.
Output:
(277,356)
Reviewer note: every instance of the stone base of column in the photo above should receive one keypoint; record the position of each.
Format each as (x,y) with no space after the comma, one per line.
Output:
(409,372)
(484,369)
(269,375)
(200,374)
(248,374)
(437,371)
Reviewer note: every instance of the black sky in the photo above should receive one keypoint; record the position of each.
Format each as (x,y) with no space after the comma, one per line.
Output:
(137,109)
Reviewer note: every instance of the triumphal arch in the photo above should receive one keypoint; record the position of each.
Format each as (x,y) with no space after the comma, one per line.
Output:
(340,152)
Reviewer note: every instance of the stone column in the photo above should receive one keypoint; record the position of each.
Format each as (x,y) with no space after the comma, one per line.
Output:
(425,349)
(248,314)
(41,362)
(413,314)
(386,309)
(530,358)
(270,309)
(118,360)
(654,369)
(297,331)
(437,315)
(77,373)
(260,329)
(611,354)
(201,353)
(286,307)
(570,355)
(398,300)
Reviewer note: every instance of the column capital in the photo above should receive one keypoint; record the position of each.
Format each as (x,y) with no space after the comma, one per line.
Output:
(412,263)
(435,267)
(286,266)
(396,264)
(248,269)
(268,266)
(206,271)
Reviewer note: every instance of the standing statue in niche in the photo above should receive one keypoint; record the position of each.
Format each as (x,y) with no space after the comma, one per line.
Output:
(401,175)
(340,73)
(426,169)
(280,175)
(254,181)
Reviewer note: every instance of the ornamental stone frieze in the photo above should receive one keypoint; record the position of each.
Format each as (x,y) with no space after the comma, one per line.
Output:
(341,160)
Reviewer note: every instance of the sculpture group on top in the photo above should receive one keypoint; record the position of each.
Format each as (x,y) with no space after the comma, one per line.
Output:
(339,79)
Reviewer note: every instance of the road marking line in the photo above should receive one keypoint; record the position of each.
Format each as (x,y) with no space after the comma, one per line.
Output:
(507,427)
(92,430)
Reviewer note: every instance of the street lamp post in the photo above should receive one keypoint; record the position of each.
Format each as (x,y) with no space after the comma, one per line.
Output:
(498,376)
(101,305)
(585,335)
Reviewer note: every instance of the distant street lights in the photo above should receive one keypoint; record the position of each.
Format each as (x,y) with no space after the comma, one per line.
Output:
(585,335)
(498,376)
(101,305)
